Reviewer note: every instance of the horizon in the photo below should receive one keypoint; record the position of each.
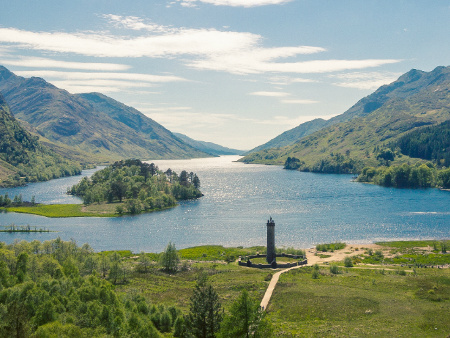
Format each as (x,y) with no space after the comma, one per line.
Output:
(231,72)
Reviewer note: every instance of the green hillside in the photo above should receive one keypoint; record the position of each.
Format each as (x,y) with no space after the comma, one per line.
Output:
(415,100)
(94,123)
(291,136)
(22,158)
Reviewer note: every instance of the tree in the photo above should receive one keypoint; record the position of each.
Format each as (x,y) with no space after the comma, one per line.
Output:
(118,189)
(245,319)
(205,316)
(144,261)
(184,176)
(386,155)
(196,182)
(169,258)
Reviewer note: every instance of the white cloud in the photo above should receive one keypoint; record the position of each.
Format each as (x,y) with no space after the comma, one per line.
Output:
(254,63)
(137,24)
(270,94)
(364,80)
(100,76)
(287,80)
(206,49)
(34,62)
(102,86)
(234,3)
(183,42)
(83,82)
(299,101)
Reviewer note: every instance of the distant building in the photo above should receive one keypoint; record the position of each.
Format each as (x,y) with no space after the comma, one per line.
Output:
(271,254)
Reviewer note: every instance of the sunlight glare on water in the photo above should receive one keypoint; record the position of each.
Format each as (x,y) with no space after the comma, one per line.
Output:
(238,199)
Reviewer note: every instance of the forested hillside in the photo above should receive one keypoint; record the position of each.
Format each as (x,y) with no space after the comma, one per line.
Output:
(428,143)
(415,100)
(22,158)
(95,124)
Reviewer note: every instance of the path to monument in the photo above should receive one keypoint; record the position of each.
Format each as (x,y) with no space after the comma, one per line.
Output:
(337,255)
(273,282)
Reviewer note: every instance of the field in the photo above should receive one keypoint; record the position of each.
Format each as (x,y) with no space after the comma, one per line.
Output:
(362,302)
(378,299)
(395,289)
(229,280)
(102,209)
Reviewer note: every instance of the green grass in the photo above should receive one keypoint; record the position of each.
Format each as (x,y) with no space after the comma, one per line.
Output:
(217,252)
(361,302)
(229,280)
(413,244)
(59,210)
(330,246)
(73,210)
(262,260)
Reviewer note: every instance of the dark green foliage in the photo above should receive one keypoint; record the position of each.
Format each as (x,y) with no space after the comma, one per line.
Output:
(292,163)
(428,143)
(29,160)
(405,176)
(334,269)
(205,313)
(245,319)
(348,263)
(444,178)
(142,186)
(335,164)
(58,294)
(385,156)
(170,259)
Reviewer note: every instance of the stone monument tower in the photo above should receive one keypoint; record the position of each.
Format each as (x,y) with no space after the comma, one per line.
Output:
(271,255)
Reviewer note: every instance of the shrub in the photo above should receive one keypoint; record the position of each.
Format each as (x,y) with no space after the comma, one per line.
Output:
(348,262)
(334,269)
(315,274)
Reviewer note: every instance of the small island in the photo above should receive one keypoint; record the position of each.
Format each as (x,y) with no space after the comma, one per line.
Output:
(127,187)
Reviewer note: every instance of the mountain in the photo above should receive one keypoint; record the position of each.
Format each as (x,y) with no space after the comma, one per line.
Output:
(209,147)
(293,135)
(22,158)
(407,85)
(92,123)
(415,100)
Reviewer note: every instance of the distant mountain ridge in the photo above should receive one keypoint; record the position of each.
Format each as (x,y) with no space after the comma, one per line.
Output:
(93,123)
(209,147)
(416,99)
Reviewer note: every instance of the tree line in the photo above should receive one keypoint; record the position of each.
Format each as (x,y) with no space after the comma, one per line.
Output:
(407,176)
(141,186)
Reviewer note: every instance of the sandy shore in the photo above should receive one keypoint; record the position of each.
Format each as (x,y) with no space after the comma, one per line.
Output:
(338,255)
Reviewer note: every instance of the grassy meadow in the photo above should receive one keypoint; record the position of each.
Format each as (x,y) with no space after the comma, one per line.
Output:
(362,302)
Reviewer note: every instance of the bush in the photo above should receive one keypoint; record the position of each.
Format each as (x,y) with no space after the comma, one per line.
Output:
(348,262)
(315,274)
(334,269)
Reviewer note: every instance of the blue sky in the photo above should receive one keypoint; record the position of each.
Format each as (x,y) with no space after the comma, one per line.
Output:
(234,72)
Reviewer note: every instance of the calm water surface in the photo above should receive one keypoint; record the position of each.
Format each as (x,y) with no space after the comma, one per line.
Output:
(307,208)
